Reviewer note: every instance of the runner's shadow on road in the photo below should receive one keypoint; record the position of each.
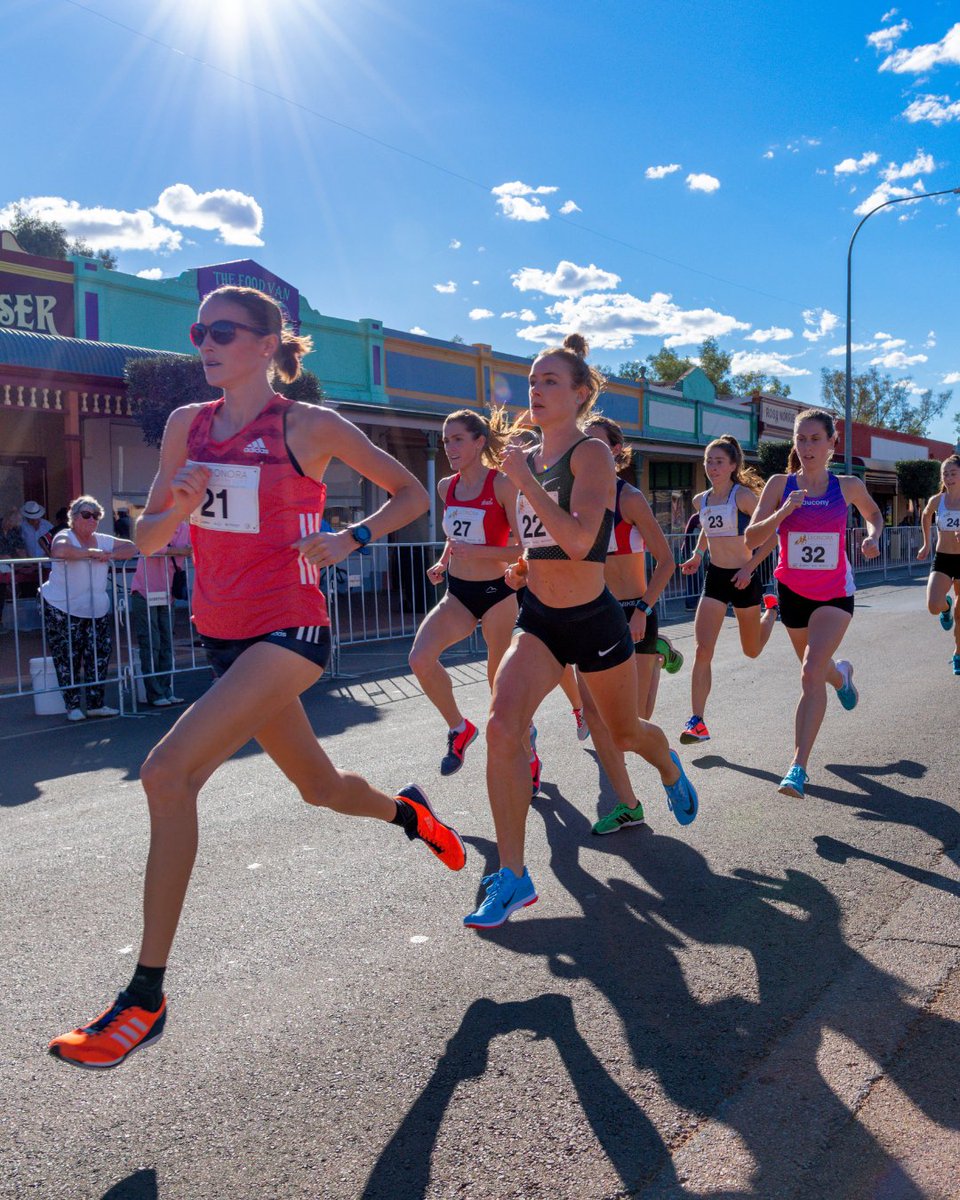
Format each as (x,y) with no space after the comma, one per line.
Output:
(762,951)
(141,1185)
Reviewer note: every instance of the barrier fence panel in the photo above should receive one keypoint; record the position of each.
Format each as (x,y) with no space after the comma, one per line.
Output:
(375,595)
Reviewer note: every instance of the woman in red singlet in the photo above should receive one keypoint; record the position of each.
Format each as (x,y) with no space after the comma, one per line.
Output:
(477,499)
(246,469)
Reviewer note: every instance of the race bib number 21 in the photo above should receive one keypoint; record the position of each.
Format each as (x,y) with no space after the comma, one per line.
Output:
(232,501)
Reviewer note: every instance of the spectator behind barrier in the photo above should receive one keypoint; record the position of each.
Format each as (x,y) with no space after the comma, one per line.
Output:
(76,606)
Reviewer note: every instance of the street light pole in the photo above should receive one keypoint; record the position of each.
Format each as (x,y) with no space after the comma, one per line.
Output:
(848,403)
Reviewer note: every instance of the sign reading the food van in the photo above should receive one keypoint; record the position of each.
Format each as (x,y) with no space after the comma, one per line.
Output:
(246,273)
(36,294)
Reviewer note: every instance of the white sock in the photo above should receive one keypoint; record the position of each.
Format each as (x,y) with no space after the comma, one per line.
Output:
(461,727)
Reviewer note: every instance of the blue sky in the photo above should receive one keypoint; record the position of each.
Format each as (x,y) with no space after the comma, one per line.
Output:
(505,171)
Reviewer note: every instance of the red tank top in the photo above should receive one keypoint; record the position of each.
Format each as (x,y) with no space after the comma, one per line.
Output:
(625,538)
(462,522)
(249,578)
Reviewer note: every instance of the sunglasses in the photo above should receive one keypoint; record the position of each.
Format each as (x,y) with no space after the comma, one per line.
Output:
(222,332)
(89,516)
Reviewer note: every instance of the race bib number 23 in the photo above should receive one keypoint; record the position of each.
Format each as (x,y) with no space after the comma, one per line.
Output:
(232,502)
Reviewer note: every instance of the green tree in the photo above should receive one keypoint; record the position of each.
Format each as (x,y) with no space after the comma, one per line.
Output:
(715,363)
(883,401)
(666,366)
(918,479)
(772,458)
(168,381)
(756,381)
(635,369)
(49,239)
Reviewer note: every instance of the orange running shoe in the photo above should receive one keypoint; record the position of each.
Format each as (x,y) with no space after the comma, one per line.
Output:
(112,1037)
(442,839)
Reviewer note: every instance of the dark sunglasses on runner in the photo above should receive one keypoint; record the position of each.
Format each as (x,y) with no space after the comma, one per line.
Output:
(222,332)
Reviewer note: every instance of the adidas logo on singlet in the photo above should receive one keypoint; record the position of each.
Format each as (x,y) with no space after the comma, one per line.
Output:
(257,446)
(482,502)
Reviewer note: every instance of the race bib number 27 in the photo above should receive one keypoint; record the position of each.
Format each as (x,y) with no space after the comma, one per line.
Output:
(232,502)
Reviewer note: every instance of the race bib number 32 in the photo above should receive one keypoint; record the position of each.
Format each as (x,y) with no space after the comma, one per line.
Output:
(232,502)
(813,551)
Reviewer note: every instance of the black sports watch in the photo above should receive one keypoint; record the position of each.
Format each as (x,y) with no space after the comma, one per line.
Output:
(645,608)
(361,534)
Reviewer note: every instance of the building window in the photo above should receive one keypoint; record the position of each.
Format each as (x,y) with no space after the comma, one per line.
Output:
(671,494)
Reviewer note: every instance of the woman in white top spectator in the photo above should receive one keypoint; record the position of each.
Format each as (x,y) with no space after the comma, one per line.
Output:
(76,606)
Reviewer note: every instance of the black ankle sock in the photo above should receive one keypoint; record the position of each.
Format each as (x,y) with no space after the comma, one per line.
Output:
(146,987)
(405,817)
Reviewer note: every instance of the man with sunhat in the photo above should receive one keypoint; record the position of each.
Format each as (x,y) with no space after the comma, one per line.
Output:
(35,529)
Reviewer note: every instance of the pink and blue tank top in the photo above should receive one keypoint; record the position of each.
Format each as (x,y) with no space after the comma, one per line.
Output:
(813,545)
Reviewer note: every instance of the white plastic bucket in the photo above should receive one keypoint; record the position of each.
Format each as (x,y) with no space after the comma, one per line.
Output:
(43,676)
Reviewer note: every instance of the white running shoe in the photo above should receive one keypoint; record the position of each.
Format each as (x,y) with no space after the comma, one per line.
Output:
(103,711)
(583,731)
(76,714)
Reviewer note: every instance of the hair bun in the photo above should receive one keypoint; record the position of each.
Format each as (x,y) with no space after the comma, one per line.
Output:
(577,344)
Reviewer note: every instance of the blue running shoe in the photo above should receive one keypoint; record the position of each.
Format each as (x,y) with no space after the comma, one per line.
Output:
(505,895)
(946,617)
(956,664)
(847,694)
(682,796)
(792,783)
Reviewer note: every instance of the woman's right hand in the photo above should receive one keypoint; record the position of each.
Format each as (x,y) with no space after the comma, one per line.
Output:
(923,552)
(691,565)
(436,573)
(189,487)
(515,576)
(793,501)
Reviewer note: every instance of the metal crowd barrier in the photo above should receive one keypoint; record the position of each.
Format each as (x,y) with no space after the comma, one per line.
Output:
(375,595)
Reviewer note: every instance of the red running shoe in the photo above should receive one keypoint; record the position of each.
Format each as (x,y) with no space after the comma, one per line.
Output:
(457,744)
(535,767)
(110,1040)
(442,839)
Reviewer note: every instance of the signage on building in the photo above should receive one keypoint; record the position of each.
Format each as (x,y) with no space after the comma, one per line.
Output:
(36,294)
(780,415)
(246,273)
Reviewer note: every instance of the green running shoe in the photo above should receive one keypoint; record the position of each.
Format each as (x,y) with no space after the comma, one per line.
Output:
(672,659)
(619,818)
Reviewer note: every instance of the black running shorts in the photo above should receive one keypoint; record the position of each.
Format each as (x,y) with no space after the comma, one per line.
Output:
(478,596)
(947,564)
(648,644)
(796,610)
(718,585)
(309,641)
(593,636)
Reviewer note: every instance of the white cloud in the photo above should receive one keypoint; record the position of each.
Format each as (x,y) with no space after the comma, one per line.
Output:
(856,166)
(889,15)
(856,347)
(613,322)
(421,332)
(515,204)
(100,228)
(951,377)
(768,154)
(474,282)
(774,334)
(479,314)
(702,183)
(151,273)
(566,280)
(935,109)
(446,289)
(767,361)
(525,314)
(819,322)
(892,343)
(931,339)
(897,359)
(661,172)
(235,216)
(454,244)
(920,164)
(925,57)
(568,206)
(883,39)
(884,192)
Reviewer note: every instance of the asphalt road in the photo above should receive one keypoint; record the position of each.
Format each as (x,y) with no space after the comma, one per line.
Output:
(764,1004)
